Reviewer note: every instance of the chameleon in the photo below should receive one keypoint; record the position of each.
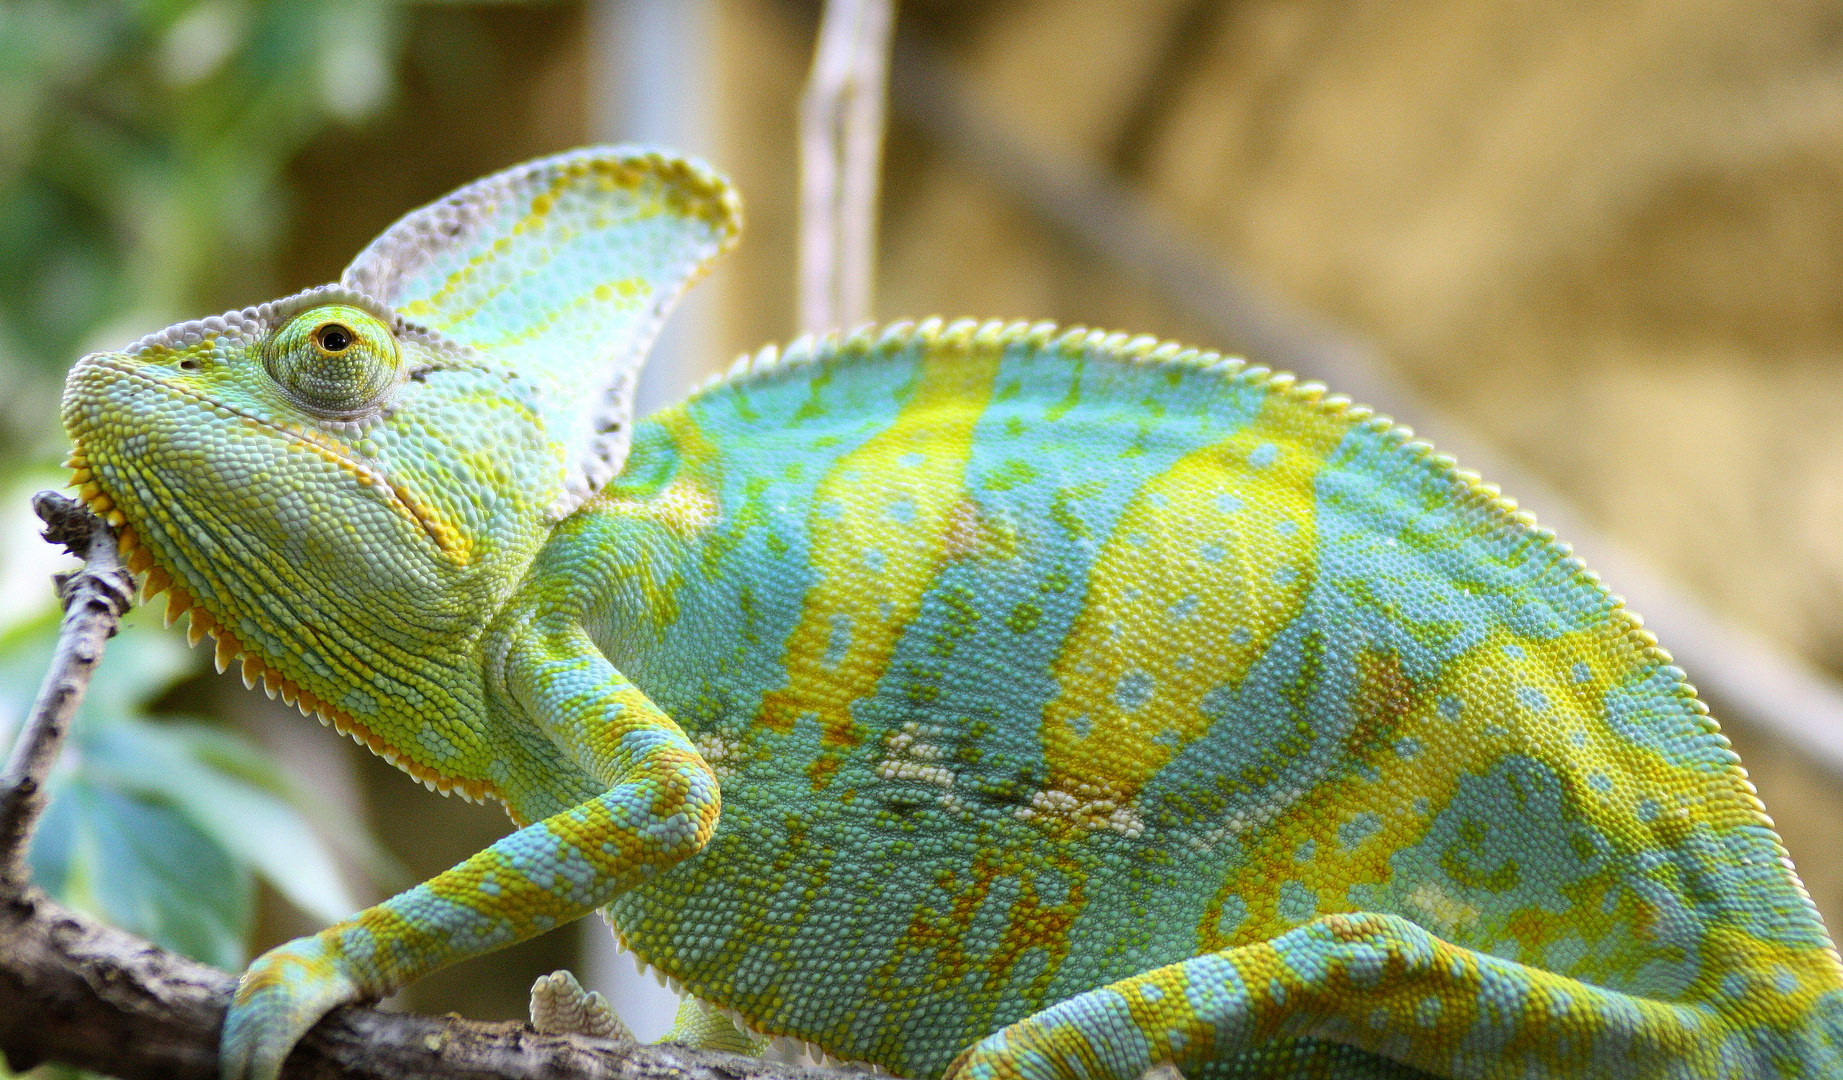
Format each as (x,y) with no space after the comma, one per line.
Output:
(982,700)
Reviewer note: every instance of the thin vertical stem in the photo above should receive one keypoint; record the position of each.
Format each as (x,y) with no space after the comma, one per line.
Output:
(95,598)
(841,156)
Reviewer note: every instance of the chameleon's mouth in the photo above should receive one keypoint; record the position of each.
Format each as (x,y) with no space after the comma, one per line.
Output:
(154,578)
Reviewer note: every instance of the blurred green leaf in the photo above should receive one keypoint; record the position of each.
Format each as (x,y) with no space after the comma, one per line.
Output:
(143,145)
(337,824)
(160,824)
(145,867)
(252,824)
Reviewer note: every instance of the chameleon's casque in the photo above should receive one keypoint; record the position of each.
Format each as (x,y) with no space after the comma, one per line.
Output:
(977,699)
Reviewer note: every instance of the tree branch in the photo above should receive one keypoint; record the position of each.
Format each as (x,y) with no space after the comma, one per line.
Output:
(841,155)
(95,599)
(75,991)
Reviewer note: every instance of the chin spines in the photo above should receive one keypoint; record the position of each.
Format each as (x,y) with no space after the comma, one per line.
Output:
(226,651)
(155,582)
(178,602)
(200,624)
(255,671)
(138,559)
(90,493)
(252,671)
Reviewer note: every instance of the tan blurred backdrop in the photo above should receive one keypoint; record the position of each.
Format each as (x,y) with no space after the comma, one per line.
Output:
(1606,235)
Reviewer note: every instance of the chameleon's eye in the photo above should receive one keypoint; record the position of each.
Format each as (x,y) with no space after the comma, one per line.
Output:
(335,360)
(333,338)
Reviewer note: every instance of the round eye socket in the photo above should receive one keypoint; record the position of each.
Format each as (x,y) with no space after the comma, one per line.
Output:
(333,337)
(335,361)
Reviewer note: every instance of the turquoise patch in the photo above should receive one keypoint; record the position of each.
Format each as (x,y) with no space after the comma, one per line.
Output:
(1358,829)
(1298,901)
(1133,691)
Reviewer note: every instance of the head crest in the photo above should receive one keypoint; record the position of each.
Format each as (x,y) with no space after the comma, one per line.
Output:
(560,271)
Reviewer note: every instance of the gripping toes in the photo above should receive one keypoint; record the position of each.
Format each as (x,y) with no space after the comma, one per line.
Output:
(560,1006)
(285,992)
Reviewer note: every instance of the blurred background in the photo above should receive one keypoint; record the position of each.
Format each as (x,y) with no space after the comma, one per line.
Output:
(1603,238)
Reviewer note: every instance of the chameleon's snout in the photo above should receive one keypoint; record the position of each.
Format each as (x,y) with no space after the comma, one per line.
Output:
(97,385)
(109,397)
(124,420)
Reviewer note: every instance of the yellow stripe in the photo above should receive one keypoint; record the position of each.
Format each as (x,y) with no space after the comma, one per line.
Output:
(1209,561)
(878,539)
(687,506)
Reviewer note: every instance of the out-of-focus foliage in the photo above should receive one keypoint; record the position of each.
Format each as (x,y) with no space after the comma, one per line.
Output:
(160,825)
(142,145)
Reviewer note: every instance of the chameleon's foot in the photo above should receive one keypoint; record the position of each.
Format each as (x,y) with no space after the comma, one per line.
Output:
(285,992)
(560,1006)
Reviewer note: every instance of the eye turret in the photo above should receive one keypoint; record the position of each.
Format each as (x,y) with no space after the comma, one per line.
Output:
(335,361)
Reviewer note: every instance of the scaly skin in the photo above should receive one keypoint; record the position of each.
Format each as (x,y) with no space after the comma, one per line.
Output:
(1077,703)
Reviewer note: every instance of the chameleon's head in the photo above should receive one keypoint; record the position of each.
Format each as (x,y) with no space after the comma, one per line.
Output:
(342,486)
(318,453)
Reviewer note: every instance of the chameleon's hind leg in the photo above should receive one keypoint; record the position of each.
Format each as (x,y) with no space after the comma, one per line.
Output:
(1376,983)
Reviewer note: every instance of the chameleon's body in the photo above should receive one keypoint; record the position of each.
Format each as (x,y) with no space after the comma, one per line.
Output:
(1025,663)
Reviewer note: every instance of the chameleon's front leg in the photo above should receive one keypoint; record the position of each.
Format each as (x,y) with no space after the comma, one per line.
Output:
(660,807)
